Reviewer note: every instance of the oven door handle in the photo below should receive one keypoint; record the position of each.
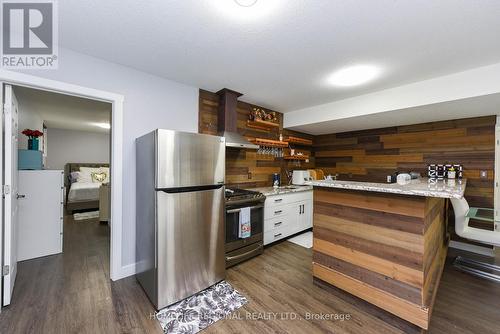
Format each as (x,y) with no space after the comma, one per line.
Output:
(230,258)
(238,210)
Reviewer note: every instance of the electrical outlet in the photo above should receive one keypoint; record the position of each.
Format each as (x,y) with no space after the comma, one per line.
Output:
(483,174)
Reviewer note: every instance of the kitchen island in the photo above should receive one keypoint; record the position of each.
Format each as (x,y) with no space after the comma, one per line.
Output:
(384,243)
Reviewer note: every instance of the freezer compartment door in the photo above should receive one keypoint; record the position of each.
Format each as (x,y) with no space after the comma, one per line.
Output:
(189,159)
(190,239)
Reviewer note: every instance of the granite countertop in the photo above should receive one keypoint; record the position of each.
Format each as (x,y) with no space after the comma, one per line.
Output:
(418,187)
(270,191)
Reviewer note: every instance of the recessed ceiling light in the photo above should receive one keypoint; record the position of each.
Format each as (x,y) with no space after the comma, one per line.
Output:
(103,125)
(246,10)
(353,75)
(246,3)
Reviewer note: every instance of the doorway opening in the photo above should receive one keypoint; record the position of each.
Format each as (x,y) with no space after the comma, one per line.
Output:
(61,127)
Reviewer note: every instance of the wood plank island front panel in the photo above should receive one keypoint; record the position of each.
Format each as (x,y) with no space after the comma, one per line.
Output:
(245,168)
(371,155)
(384,248)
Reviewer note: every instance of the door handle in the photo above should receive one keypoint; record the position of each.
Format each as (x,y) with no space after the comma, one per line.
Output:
(238,210)
(300,209)
(20,196)
(277,235)
(230,258)
(278,223)
(278,200)
(278,212)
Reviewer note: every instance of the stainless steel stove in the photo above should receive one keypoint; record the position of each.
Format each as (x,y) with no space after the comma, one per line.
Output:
(234,195)
(241,249)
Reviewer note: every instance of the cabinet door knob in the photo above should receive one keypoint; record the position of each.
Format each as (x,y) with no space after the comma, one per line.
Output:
(20,196)
(278,212)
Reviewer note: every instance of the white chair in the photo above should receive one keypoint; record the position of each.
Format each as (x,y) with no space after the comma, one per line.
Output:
(463,214)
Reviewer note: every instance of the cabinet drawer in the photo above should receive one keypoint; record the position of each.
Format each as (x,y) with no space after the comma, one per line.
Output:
(277,222)
(277,200)
(276,211)
(276,234)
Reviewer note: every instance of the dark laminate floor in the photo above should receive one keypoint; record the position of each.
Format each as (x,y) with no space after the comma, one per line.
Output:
(71,293)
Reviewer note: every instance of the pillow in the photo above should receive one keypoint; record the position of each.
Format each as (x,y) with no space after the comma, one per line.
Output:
(105,170)
(74,176)
(99,177)
(86,174)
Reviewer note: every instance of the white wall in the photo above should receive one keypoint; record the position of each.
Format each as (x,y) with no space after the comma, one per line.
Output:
(150,102)
(65,146)
(28,119)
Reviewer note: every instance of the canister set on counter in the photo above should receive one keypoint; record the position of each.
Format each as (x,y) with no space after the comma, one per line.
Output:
(447,171)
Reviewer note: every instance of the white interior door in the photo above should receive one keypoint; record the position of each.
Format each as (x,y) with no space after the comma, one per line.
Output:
(10,182)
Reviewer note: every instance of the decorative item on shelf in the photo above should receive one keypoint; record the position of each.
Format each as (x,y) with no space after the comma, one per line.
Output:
(263,120)
(259,114)
(33,136)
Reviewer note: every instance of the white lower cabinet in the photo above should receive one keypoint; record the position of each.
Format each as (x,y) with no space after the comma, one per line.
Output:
(287,214)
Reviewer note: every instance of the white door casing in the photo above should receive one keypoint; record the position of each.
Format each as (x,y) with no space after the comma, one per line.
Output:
(118,270)
(10,182)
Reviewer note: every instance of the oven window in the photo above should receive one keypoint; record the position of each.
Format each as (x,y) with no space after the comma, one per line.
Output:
(233,221)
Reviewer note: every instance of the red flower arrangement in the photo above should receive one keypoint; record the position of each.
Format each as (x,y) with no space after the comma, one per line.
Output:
(32,134)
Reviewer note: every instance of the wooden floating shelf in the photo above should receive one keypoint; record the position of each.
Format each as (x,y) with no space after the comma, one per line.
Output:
(269,142)
(263,125)
(299,141)
(296,157)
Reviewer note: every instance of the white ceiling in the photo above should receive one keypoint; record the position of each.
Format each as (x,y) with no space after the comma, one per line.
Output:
(64,111)
(464,108)
(280,60)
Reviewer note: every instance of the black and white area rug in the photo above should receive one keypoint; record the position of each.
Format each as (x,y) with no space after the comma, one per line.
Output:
(201,310)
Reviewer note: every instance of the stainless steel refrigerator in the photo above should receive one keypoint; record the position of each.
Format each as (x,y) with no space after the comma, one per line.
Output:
(179,214)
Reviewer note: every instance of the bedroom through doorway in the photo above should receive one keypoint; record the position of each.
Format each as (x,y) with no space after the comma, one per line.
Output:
(64,177)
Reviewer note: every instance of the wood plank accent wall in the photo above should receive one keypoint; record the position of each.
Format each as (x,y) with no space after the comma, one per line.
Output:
(371,155)
(245,168)
(386,249)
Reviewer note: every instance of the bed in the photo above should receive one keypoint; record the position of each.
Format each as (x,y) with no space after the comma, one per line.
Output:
(81,195)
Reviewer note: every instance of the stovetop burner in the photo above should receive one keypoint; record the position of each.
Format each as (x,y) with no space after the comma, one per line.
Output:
(236,194)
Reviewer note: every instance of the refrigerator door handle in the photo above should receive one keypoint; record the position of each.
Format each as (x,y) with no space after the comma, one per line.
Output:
(190,189)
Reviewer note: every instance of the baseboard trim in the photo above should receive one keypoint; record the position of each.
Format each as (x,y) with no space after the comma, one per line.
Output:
(472,248)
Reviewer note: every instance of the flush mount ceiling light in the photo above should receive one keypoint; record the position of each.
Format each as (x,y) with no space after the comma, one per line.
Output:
(103,125)
(353,75)
(246,10)
(246,3)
